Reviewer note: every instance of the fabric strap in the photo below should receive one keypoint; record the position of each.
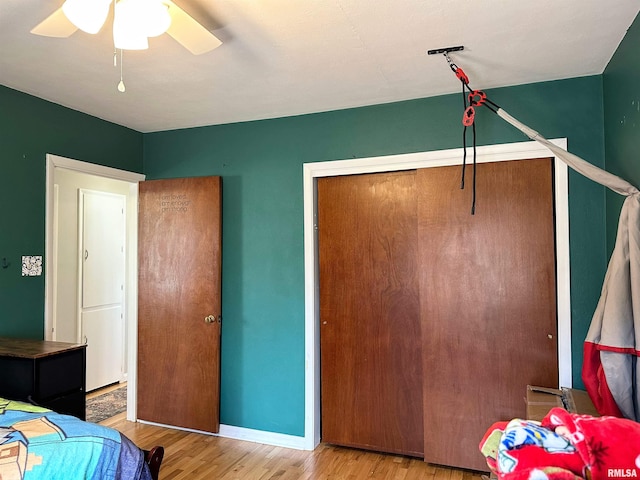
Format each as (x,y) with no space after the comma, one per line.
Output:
(612,377)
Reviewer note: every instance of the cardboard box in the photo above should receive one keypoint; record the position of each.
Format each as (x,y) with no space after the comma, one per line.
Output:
(542,399)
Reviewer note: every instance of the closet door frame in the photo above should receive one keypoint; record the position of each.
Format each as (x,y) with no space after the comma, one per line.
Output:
(439,158)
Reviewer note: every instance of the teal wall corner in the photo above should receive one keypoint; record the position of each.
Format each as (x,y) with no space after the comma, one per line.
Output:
(622,122)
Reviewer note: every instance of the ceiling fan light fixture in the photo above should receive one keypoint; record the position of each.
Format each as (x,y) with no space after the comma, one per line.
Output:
(156,19)
(128,40)
(127,34)
(87,15)
(147,17)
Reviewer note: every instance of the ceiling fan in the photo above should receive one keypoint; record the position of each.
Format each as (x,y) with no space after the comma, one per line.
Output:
(134,21)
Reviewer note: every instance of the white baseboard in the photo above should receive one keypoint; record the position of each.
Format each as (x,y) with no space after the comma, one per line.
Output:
(247,435)
(260,436)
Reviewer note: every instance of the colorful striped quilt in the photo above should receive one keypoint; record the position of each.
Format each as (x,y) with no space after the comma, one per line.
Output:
(39,444)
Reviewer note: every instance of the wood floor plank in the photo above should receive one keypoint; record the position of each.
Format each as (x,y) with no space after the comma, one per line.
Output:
(197,456)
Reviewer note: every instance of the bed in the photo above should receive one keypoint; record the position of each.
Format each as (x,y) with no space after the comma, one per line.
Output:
(39,444)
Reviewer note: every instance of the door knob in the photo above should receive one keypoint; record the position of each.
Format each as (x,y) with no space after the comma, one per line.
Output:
(209,319)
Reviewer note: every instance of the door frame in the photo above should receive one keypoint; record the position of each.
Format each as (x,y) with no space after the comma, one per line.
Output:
(489,153)
(131,292)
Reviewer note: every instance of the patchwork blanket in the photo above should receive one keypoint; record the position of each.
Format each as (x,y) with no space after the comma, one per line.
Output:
(564,446)
(38,444)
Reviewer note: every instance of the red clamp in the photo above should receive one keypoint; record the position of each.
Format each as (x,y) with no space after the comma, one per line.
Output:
(468,116)
(477,98)
(461,75)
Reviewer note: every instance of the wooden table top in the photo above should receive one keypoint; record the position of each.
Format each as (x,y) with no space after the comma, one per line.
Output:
(26,348)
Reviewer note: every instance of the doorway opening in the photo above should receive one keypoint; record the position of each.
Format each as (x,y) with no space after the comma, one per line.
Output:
(53,329)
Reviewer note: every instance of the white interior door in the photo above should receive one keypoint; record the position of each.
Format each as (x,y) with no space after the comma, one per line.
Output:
(102,265)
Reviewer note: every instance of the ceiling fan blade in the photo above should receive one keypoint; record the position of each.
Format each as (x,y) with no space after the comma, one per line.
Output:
(55,25)
(189,33)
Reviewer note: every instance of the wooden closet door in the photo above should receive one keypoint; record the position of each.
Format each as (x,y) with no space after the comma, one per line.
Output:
(371,362)
(488,303)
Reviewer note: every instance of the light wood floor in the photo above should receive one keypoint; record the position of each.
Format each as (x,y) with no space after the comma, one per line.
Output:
(195,456)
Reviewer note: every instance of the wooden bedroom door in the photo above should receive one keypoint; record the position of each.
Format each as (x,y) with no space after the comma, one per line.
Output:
(370,344)
(488,302)
(179,302)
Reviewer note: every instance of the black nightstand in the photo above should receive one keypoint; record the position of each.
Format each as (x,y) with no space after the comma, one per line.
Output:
(49,374)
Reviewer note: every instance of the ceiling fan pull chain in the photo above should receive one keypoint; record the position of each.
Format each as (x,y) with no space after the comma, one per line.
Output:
(121,87)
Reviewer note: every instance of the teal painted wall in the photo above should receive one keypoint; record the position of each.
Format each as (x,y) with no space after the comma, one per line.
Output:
(261,166)
(622,121)
(29,129)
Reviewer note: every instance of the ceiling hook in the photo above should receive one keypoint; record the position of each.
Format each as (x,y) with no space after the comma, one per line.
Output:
(445,51)
(452,65)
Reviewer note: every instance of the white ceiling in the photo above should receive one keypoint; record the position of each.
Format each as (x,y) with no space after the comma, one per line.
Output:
(289,57)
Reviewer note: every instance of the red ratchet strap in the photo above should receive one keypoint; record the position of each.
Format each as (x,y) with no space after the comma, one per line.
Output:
(460,74)
(469,116)
(476,98)
(457,70)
